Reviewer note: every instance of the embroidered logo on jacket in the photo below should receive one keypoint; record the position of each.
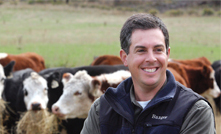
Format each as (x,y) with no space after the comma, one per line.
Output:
(158,117)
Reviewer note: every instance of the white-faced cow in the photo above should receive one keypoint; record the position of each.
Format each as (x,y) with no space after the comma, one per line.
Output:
(80,91)
(55,88)
(26,91)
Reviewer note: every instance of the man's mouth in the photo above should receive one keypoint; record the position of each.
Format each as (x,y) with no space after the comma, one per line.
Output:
(150,70)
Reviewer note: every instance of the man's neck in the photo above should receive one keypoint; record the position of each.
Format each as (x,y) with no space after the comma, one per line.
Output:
(148,93)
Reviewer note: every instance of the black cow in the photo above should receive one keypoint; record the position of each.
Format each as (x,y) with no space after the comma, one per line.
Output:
(5,72)
(217,68)
(21,94)
(55,88)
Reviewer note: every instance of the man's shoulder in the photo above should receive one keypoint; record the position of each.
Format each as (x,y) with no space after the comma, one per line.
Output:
(96,106)
(202,115)
(201,104)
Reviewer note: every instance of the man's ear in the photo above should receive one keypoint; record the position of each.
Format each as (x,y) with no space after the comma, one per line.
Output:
(123,56)
(168,52)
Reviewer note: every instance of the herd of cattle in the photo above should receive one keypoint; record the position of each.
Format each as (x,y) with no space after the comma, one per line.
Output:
(68,93)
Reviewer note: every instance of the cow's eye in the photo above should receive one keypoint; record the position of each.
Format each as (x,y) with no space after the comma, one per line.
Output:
(77,93)
(25,92)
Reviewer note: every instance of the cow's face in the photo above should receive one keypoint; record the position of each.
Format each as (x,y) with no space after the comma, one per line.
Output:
(35,92)
(79,92)
(2,79)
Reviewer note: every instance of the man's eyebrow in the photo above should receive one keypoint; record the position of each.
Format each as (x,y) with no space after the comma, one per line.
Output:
(139,47)
(159,45)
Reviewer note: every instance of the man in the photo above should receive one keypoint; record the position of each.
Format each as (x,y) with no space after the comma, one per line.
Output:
(151,101)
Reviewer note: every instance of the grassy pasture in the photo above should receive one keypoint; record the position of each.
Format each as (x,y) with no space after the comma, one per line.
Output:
(71,36)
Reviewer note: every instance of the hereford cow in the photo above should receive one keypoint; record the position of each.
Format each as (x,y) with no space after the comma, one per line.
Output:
(23,61)
(107,60)
(80,91)
(199,78)
(217,67)
(26,91)
(54,76)
(55,88)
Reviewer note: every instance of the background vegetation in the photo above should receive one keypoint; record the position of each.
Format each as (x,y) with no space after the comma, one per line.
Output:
(72,34)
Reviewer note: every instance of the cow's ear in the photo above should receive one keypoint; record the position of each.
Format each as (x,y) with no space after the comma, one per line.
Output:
(55,79)
(205,71)
(52,75)
(9,68)
(28,74)
(96,86)
(66,77)
(56,76)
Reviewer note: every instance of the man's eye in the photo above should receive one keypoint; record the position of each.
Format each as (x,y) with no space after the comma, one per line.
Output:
(140,50)
(159,50)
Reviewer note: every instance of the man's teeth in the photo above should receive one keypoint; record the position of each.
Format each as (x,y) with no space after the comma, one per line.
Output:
(150,70)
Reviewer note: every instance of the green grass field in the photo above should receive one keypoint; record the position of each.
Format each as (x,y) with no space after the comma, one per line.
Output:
(71,36)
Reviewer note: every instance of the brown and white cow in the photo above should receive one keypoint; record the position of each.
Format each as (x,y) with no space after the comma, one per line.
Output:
(107,60)
(80,91)
(199,78)
(23,61)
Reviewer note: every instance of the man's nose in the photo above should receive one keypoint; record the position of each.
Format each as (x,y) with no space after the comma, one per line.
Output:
(150,57)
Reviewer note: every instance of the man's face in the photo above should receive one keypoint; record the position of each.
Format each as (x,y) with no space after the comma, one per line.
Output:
(147,59)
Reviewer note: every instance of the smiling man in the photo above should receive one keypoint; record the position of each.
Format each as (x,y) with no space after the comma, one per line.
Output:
(147,61)
(150,101)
